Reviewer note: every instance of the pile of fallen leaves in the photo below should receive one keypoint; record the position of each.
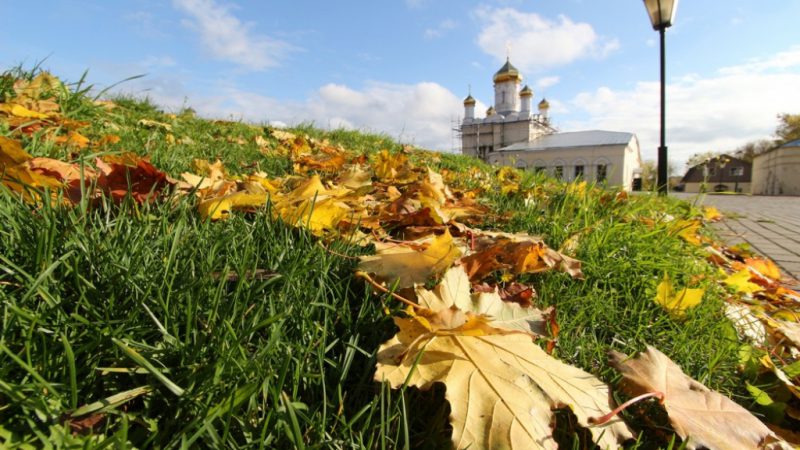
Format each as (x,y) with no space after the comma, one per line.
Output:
(477,329)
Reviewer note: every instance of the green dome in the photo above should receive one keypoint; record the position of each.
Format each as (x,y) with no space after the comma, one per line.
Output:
(507,72)
(544,104)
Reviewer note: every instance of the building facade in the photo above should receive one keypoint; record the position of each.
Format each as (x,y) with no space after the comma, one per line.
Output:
(775,172)
(512,134)
(723,173)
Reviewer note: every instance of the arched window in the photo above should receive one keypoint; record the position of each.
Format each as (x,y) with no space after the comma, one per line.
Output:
(558,168)
(579,169)
(602,168)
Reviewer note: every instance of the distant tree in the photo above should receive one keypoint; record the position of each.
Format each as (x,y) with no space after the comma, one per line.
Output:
(752,149)
(788,129)
(699,158)
(649,175)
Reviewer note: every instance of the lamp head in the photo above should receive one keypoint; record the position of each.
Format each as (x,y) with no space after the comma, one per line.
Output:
(661,12)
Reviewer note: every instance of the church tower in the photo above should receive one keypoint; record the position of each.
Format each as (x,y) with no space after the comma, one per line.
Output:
(506,89)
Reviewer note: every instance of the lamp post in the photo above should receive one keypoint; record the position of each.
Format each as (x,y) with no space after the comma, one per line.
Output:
(662,13)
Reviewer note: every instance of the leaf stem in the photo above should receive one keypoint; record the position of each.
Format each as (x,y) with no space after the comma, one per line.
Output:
(603,419)
(377,286)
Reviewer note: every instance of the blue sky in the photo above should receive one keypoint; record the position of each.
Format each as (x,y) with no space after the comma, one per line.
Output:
(403,67)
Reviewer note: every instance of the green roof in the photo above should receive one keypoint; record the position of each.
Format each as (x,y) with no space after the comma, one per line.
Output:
(507,68)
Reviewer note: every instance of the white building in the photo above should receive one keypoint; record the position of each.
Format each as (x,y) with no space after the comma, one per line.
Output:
(511,134)
(775,172)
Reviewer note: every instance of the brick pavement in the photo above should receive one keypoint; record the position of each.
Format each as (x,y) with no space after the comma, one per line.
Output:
(771,225)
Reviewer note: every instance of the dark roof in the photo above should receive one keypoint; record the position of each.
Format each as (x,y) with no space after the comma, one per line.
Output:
(572,139)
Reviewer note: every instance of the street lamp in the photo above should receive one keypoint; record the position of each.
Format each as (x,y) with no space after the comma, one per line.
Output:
(662,13)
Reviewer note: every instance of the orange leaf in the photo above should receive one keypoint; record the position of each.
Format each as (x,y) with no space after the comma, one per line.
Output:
(143,181)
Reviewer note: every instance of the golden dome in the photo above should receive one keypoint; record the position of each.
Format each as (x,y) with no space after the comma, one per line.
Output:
(544,105)
(526,92)
(490,111)
(506,73)
(469,101)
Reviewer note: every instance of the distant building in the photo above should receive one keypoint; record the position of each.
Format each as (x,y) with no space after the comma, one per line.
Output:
(723,173)
(512,134)
(776,172)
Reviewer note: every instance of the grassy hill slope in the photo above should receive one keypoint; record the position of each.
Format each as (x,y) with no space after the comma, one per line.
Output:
(114,309)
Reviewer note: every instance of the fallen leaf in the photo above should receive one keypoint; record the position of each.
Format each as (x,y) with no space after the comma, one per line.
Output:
(454,291)
(147,123)
(407,265)
(42,84)
(677,302)
(501,387)
(700,416)
(393,168)
(687,230)
(221,207)
(765,267)
(11,153)
(72,139)
(711,214)
(141,180)
(14,109)
(740,282)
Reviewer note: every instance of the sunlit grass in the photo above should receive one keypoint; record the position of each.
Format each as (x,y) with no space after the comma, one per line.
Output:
(133,306)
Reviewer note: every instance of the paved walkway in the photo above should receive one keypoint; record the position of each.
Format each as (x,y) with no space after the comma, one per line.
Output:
(771,225)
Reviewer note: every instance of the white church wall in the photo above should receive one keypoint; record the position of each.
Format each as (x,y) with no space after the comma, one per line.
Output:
(610,156)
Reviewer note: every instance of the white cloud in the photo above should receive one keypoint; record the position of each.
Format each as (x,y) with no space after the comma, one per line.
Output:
(420,114)
(781,61)
(536,42)
(227,38)
(546,82)
(714,113)
(441,29)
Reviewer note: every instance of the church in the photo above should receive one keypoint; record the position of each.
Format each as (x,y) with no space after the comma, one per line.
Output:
(512,134)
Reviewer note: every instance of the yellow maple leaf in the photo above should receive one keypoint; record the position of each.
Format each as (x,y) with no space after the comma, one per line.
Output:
(11,153)
(501,386)
(41,84)
(318,216)
(765,267)
(17,110)
(677,302)
(740,282)
(72,139)
(711,214)
(393,167)
(407,265)
(687,230)
(221,207)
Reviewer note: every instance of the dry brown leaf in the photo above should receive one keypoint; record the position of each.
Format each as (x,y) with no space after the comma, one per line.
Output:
(454,291)
(519,253)
(500,385)
(409,266)
(700,416)
(130,175)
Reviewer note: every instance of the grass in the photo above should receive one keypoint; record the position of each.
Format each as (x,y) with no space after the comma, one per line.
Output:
(125,315)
